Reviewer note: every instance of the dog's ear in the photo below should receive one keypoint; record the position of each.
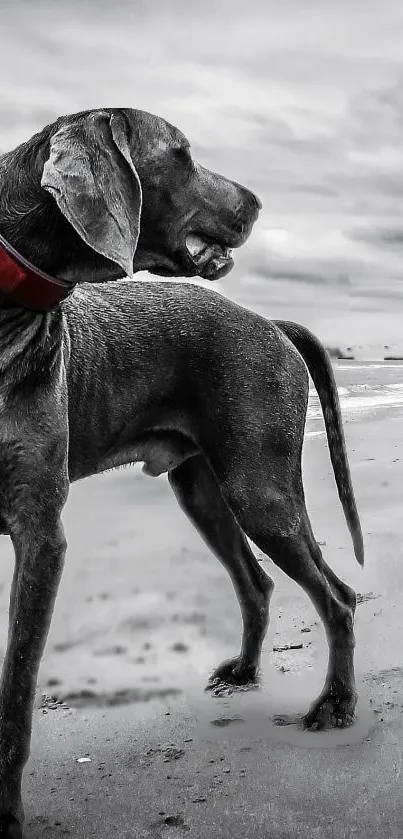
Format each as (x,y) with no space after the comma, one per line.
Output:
(92,177)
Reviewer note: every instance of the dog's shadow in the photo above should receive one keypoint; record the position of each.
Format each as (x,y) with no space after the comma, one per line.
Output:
(254,714)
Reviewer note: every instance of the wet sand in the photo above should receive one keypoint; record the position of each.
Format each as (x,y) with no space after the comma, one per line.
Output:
(144,613)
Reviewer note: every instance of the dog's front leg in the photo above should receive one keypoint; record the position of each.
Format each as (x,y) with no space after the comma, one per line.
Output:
(40,547)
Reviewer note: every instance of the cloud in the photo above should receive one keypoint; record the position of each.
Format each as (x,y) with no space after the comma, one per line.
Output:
(379,237)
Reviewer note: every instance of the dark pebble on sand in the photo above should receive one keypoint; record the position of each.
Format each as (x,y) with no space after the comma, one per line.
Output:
(175,821)
(180,647)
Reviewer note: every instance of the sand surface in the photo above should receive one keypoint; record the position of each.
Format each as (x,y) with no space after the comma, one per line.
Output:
(144,612)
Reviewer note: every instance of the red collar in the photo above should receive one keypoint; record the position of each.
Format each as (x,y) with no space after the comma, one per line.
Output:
(26,285)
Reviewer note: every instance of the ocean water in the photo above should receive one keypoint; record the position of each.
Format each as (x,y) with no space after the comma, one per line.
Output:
(364,389)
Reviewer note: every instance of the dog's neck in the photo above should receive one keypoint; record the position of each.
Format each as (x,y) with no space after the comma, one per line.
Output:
(25,285)
(27,338)
(31,323)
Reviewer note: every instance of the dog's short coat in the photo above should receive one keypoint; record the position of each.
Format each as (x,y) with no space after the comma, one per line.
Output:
(166,373)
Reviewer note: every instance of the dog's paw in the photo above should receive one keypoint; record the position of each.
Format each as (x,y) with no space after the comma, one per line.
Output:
(10,828)
(233,674)
(331,711)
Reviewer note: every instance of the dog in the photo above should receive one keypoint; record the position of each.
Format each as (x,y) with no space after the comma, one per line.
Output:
(97,371)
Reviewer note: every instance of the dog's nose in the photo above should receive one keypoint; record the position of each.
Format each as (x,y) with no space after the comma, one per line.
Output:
(253,203)
(256,200)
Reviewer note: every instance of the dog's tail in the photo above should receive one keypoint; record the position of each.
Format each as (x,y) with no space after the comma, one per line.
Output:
(320,369)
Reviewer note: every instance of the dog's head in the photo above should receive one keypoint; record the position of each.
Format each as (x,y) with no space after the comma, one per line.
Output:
(117,191)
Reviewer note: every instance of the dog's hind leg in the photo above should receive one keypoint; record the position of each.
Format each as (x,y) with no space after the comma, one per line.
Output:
(199,495)
(341,590)
(277,521)
(39,543)
(255,452)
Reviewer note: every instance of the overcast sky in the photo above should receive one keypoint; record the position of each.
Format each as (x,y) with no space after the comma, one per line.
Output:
(303,101)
